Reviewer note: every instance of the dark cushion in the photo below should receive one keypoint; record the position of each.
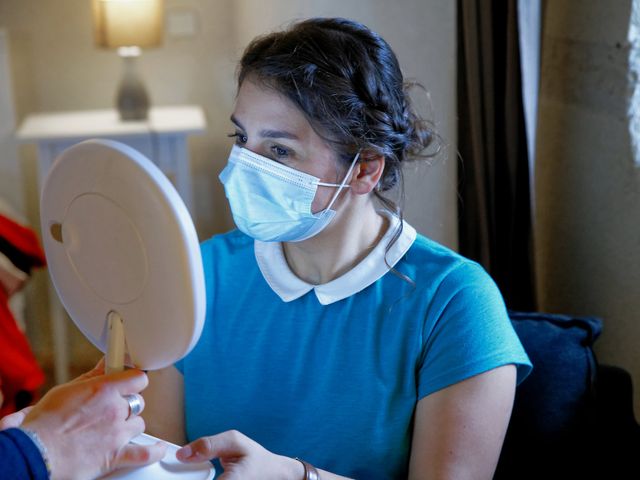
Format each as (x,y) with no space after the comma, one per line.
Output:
(557,395)
(554,409)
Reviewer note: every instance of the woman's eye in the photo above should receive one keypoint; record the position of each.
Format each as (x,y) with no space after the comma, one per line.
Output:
(240,138)
(279,152)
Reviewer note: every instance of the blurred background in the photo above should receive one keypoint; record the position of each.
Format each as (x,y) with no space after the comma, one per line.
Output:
(582,234)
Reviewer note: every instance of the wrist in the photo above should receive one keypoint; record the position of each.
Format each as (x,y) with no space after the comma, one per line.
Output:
(292,469)
(44,453)
(310,472)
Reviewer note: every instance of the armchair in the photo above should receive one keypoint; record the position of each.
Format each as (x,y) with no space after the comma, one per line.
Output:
(572,417)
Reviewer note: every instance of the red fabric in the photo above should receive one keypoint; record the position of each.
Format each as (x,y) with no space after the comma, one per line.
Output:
(12,279)
(22,238)
(19,370)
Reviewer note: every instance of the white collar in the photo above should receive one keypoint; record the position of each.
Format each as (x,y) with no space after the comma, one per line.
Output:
(285,283)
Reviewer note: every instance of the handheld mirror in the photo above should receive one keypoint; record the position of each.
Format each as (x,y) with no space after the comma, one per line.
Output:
(124,258)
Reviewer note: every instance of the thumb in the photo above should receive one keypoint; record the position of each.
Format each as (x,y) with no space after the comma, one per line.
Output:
(15,419)
(227,444)
(139,455)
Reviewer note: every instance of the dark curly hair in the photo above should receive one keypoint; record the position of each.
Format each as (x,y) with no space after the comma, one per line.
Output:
(346,80)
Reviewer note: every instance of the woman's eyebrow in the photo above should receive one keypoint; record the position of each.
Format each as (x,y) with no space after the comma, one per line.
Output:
(267,133)
(278,134)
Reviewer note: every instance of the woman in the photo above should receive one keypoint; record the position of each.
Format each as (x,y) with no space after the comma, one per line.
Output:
(334,332)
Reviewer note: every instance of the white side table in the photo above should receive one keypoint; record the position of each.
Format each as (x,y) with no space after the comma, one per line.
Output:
(162,138)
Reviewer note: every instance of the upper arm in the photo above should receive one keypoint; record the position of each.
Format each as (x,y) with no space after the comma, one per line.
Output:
(164,405)
(459,430)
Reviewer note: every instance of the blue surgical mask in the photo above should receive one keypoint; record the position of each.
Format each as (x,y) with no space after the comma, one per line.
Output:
(272,202)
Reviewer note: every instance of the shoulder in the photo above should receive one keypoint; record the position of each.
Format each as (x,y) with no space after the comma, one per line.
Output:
(231,243)
(436,266)
(464,306)
(454,288)
(232,250)
(425,249)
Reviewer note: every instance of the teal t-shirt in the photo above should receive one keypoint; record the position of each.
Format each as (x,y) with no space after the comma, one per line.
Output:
(337,384)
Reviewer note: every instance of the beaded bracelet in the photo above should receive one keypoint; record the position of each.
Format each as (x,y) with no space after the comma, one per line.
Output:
(43,450)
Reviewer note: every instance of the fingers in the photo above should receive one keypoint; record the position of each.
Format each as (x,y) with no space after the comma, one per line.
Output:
(15,419)
(132,428)
(138,455)
(135,404)
(230,443)
(94,372)
(116,394)
(125,384)
(128,381)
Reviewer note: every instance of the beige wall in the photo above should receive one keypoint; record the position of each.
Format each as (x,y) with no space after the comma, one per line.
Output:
(56,67)
(588,187)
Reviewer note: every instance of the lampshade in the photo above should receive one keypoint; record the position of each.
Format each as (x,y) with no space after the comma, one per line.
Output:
(122,23)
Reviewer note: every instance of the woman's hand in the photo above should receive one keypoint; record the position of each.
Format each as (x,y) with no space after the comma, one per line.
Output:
(241,457)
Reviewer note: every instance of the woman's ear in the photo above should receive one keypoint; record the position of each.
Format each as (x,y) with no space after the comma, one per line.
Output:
(367,172)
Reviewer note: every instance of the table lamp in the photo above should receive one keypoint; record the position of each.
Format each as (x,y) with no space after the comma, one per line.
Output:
(129,26)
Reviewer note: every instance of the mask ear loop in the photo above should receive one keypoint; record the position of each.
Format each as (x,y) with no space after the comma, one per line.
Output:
(344,182)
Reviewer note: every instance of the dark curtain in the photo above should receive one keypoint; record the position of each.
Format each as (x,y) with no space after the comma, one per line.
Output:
(494,201)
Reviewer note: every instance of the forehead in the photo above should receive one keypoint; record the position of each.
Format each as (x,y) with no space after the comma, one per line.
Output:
(258,107)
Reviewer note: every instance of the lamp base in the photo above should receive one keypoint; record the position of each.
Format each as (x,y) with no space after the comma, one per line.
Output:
(132,99)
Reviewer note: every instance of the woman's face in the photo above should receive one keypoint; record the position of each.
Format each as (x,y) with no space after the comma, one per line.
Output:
(269,124)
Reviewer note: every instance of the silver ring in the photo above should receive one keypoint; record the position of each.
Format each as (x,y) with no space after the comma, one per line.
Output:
(135,404)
